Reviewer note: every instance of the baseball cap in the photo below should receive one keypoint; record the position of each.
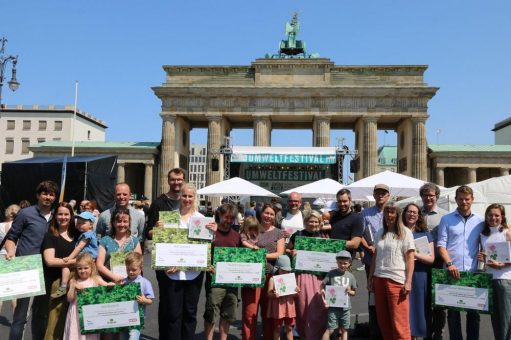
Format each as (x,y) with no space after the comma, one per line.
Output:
(344,254)
(381,186)
(87,215)
(283,262)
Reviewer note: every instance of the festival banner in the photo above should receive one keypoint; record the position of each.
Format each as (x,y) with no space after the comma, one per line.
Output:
(239,267)
(110,309)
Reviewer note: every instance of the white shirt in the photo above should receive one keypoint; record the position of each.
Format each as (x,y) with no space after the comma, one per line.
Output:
(291,223)
(391,255)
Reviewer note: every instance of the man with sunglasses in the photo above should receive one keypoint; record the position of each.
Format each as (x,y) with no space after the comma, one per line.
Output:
(293,220)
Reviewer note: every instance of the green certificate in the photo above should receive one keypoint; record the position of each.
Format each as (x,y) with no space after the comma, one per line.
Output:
(239,267)
(173,248)
(170,219)
(316,255)
(21,277)
(473,291)
(117,264)
(110,309)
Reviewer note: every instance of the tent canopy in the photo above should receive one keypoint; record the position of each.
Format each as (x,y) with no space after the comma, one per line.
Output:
(234,187)
(89,177)
(400,185)
(324,188)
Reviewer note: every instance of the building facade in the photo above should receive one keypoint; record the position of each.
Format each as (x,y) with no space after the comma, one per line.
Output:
(197,168)
(22,126)
(502,132)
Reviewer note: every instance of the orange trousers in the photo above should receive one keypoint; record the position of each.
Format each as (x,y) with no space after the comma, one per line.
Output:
(251,299)
(392,309)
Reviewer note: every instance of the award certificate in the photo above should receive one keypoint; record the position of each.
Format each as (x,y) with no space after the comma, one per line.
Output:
(170,219)
(117,264)
(462,297)
(238,272)
(285,284)
(198,230)
(336,296)
(239,267)
(108,315)
(422,245)
(498,251)
(315,261)
(181,255)
(21,277)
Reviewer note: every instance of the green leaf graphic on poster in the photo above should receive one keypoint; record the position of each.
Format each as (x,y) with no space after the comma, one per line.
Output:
(178,236)
(170,219)
(21,277)
(480,281)
(324,245)
(239,255)
(89,297)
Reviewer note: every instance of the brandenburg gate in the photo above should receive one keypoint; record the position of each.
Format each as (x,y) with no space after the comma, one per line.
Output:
(295,93)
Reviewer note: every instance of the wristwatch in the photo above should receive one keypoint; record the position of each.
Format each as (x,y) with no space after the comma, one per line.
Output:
(449,264)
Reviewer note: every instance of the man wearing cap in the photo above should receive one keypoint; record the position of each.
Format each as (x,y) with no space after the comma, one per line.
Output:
(293,219)
(122,200)
(373,221)
(346,224)
(221,302)
(432,213)
(25,238)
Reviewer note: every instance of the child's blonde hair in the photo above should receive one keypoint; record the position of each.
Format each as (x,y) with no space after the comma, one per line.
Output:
(86,258)
(133,258)
(251,227)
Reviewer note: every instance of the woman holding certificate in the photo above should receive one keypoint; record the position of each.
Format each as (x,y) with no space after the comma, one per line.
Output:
(311,312)
(424,258)
(57,244)
(495,239)
(120,240)
(390,276)
(271,239)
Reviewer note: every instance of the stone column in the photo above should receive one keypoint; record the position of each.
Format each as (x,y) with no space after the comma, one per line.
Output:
(321,132)
(504,172)
(439,176)
(472,175)
(370,146)
(121,172)
(214,142)
(419,149)
(148,181)
(168,148)
(262,130)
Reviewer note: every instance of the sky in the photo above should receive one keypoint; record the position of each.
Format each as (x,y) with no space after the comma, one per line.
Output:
(116,49)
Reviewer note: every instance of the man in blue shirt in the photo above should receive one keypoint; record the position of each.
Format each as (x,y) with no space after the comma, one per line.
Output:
(458,245)
(25,238)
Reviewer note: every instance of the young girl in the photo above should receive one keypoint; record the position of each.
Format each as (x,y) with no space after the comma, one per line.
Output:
(85,276)
(250,232)
(134,266)
(87,243)
(281,309)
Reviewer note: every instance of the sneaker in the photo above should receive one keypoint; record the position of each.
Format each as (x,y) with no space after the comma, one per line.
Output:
(59,292)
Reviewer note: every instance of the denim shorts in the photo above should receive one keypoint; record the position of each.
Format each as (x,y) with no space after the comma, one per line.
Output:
(338,318)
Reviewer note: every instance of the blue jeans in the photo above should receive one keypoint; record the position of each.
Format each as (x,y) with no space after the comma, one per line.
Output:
(454,323)
(132,334)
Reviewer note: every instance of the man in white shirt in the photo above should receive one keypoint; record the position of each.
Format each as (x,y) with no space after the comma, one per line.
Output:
(293,220)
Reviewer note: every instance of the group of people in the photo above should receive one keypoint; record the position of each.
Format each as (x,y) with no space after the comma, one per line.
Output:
(398,276)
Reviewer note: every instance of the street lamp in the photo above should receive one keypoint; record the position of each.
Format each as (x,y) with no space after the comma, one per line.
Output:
(4,59)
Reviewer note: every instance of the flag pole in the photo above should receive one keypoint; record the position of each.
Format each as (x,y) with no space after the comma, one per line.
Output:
(74,119)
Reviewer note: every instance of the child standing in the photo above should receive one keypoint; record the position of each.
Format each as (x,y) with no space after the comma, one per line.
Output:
(84,276)
(339,318)
(134,263)
(250,232)
(86,243)
(281,309)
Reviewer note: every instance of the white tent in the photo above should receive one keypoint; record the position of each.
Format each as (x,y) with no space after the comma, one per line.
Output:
(324,188)
(400,185)
(493,190)
(234,187)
